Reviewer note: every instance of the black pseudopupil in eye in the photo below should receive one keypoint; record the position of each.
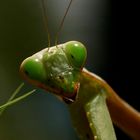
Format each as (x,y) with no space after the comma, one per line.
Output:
(72,56)
(26,72)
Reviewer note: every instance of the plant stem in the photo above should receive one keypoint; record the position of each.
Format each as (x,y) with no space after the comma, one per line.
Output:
(16,100)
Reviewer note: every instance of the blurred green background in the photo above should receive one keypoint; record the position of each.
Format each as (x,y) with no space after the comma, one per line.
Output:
(22,33)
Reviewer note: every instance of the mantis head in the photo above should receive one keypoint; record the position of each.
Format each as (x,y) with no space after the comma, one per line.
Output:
(56,69)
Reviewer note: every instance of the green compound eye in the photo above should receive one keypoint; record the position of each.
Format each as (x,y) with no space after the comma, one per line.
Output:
(76,53)
(33,69)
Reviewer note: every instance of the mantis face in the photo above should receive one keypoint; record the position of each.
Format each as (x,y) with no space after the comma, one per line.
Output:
(56,69)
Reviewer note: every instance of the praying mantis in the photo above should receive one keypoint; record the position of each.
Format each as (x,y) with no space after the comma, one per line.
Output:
(59,70)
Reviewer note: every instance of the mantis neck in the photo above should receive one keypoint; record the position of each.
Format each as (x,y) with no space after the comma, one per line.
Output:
(122,114)
(89,112)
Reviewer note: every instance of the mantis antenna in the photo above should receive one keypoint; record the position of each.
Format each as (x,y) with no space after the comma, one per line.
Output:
(62,23)
(45,19)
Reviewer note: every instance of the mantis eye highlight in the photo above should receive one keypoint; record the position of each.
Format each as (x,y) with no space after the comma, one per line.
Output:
(33,69)
(76,53)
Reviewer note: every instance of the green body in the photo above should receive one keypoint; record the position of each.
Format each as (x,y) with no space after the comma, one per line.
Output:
(59,70)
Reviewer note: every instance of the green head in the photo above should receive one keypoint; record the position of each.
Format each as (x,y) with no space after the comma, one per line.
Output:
(56,69)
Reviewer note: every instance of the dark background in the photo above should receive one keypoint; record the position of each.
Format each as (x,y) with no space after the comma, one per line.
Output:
(109,30)
(123,75)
